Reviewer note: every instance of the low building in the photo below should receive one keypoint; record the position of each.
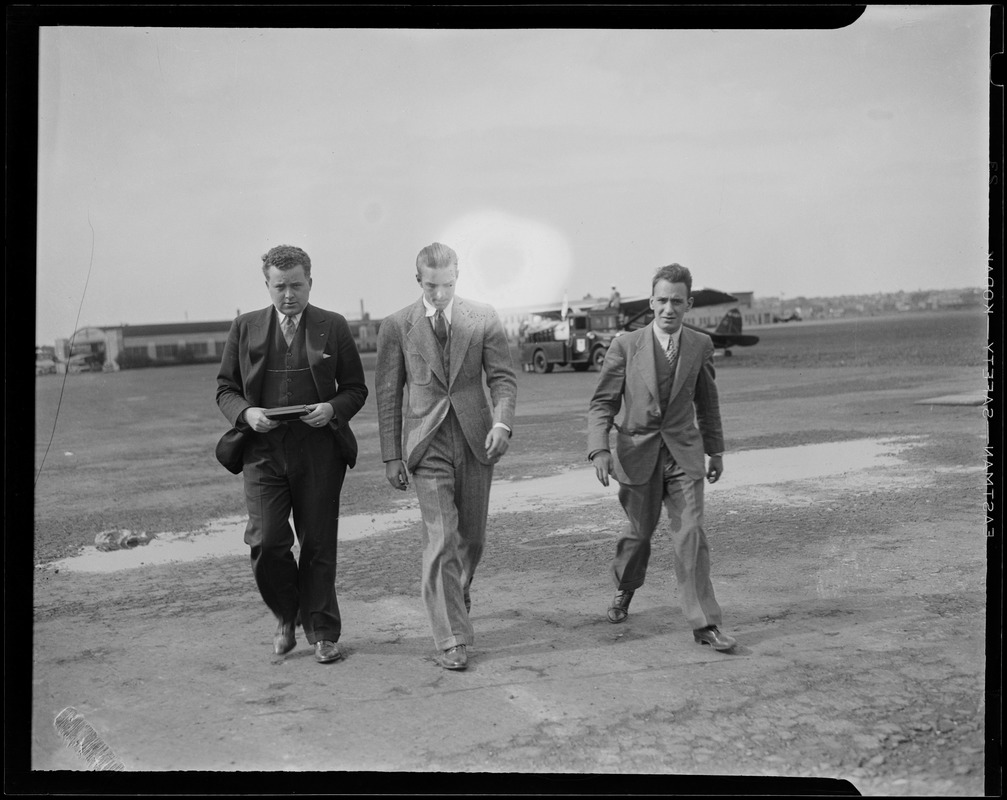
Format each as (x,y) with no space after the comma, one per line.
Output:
(111,348)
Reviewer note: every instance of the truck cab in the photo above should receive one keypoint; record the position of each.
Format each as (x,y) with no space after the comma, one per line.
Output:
(581,340)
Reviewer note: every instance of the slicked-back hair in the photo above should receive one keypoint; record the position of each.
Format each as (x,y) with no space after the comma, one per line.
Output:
(437,256)
(673,273)
(284,257)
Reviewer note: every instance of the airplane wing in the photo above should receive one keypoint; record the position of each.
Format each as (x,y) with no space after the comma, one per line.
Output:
(711,297)
(638,313)
(634,309)
(724,341)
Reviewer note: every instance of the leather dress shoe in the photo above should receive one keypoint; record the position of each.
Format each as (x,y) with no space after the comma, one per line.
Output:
(326,652)
(619,609)
(454,658)
(283,640)
(712,636)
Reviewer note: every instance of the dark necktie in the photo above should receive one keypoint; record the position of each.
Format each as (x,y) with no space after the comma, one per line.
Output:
(441,332)
(441,328)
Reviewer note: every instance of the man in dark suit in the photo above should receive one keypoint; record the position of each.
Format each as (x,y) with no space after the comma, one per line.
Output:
(448,436)
(662,377)
(294,354)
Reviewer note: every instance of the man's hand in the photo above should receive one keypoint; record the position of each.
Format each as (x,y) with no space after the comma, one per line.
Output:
(497,442)
(258,421)
(318,415)
(602,461)
(715,469)
(397,474)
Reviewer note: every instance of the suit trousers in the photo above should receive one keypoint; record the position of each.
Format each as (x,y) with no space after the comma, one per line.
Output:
(682,497)
(453,489)
(300,474)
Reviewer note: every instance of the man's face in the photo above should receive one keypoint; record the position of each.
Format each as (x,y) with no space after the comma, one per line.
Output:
(669,302)
(438,284)
(289,289)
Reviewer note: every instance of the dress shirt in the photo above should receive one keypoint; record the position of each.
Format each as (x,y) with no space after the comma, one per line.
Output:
(280,317)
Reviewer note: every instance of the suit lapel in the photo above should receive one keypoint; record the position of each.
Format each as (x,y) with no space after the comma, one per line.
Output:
(643,363)
(687,353)
(258,345)
(461,334)
(315,331)
(421,336)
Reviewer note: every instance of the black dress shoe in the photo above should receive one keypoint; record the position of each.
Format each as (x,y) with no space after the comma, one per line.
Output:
(712,636)
(619,610)
(326,652)
(283,640)
(454,658)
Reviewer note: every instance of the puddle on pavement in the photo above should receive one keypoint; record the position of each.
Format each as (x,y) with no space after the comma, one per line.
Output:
(843,461)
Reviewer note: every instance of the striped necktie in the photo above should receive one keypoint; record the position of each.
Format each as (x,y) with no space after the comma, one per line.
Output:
(288,330)
(672,351)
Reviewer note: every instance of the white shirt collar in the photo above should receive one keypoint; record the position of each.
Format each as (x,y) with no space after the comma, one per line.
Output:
(663,337)
(431,310)
(280,316)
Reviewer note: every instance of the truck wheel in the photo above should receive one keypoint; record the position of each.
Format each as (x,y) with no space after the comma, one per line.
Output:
(598,357)
(581,366)
(540,363)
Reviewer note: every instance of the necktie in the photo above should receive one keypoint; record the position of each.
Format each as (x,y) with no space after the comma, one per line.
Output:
(288,330)
(672,351)
(441,328)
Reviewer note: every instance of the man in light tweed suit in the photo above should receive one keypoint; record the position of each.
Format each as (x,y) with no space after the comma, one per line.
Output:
(435,422)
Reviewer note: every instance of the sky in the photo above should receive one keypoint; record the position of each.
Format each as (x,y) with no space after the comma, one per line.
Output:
(554,161)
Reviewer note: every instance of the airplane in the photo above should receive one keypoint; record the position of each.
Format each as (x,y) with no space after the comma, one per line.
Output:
(630,307)
(636,313)
(726,335)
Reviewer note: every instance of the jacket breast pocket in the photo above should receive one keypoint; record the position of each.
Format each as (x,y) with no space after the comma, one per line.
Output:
(417,369)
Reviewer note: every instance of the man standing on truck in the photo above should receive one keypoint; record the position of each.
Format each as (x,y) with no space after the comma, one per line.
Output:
(662,375)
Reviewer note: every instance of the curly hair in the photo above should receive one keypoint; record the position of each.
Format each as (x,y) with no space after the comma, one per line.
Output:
(673,273)
(285,257)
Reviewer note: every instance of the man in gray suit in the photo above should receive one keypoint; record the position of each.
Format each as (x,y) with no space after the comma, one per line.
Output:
(443,431)
(662,377)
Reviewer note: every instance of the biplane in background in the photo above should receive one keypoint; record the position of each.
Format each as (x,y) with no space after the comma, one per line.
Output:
(635,312)
(726,335)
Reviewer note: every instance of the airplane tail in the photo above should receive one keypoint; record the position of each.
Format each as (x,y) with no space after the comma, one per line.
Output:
(730,325)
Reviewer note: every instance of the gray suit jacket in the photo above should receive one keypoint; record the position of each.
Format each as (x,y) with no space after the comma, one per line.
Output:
(690,423)
(409,359)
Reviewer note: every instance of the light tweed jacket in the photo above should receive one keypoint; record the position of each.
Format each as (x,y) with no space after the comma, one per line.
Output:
(409,359)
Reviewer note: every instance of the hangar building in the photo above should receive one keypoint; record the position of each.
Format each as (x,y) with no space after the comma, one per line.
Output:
(130,346)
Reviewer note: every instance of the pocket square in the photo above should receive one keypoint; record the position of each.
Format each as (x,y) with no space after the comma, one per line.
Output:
(326,355)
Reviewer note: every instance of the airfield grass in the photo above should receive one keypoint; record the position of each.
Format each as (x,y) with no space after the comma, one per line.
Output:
(134,449)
